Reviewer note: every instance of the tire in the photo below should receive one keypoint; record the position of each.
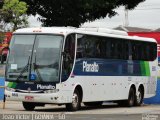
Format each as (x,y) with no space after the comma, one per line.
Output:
(76,102)
(28,106)
(93,104)
(131,98)
(139,97)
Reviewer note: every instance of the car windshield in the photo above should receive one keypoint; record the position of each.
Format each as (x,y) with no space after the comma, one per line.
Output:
(34,57)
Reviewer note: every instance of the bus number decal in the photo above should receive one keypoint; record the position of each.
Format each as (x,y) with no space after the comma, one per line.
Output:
(15,94)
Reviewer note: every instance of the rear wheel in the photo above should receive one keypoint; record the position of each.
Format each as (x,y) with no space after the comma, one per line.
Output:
(93,104)
(76,102)
(139,97)
(29,106)
(131,98)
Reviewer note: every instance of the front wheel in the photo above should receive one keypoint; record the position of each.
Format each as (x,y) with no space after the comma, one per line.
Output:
(76,102)
(29,106)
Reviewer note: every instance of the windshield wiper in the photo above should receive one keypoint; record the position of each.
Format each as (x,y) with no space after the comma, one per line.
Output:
(25,68)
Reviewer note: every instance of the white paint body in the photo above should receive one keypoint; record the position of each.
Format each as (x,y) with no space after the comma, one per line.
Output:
(95,88)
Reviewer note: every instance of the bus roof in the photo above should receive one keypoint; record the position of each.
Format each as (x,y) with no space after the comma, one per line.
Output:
(90,31)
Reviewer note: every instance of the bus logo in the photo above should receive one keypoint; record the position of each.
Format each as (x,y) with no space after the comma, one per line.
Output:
(39,86)
(90,67)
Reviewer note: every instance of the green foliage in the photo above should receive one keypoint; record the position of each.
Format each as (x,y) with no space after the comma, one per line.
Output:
(75,12)
(14,12)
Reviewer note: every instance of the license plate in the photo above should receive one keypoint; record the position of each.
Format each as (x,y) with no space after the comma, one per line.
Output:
(29,98)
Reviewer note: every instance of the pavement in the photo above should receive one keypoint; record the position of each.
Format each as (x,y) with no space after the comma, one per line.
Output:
(106,112)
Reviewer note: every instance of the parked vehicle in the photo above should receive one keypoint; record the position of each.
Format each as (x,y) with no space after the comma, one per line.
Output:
(4,46)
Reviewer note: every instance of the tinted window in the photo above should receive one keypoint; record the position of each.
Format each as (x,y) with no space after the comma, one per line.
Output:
(68,58)
(114,48)
(146,51)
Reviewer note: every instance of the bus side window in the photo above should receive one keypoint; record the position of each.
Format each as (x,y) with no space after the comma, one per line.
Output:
(79,53)
(108,48)
(153,51)
(102,48)
(68,58)
(112,49)
(126,50)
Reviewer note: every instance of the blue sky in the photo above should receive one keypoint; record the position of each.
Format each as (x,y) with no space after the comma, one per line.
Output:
(146,15)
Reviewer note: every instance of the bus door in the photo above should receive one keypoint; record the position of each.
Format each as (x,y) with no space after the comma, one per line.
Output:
(68,57)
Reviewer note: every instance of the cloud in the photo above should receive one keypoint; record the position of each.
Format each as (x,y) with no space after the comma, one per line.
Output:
(145,15)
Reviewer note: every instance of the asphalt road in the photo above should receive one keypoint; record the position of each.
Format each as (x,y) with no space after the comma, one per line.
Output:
(15,111)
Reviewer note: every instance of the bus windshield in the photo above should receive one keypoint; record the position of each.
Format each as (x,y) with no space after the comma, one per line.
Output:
(34,58)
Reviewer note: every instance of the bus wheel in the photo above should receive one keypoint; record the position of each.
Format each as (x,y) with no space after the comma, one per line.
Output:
(28,106)
(131,98)
(93,104)
(139,97)
(76,102)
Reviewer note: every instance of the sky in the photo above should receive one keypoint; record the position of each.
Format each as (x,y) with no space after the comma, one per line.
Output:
(145,15)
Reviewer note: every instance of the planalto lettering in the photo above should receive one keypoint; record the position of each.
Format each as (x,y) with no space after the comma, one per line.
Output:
(39,86)
(90,67)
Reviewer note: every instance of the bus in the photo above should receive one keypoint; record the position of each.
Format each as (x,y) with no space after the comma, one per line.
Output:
(70,66)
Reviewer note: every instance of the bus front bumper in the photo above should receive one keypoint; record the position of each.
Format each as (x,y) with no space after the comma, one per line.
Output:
(55,98)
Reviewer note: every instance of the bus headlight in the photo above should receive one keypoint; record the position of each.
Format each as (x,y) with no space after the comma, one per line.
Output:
(10,89)
(51,91)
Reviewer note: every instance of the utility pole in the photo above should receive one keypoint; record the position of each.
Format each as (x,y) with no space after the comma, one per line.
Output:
(126,22)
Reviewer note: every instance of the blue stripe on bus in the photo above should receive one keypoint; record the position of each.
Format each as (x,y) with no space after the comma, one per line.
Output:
(108,67)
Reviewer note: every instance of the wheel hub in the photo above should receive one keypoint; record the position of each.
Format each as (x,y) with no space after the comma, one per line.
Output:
(75,100)
(139,97)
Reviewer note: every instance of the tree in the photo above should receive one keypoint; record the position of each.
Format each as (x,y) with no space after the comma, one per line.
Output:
(75,12)
(14,12)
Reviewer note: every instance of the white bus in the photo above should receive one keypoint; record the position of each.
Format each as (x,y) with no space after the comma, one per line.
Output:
(71,66)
